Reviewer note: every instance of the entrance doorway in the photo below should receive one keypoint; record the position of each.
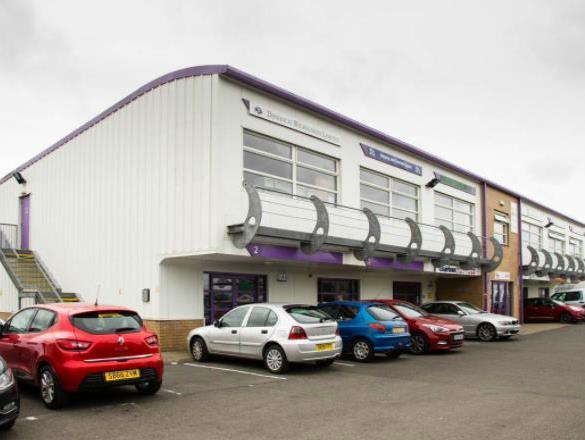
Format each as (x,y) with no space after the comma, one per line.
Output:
(335,289)
(501,297)
(25,222)
(224,291)
(407,291)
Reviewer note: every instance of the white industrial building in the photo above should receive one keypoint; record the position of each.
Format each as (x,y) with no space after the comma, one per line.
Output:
(146,206)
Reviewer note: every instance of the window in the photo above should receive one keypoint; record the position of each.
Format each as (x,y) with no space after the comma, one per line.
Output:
(453,213)
(575,248)
(382,313)
(235,318)
(532,235)
(43,320)
(108,322)
(388,196)
(501,228)
(333,289)
(19,323)
(283,167)
(308,314)
(261,317)
(556,243)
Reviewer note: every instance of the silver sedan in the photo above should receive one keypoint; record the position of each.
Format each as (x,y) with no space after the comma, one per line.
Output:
(276,333)
(476,322)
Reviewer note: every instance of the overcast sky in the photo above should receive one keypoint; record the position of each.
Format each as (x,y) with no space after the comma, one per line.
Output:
(497,87)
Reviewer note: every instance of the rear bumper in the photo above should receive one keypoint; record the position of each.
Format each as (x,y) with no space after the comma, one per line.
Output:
(76,375)
(310,351)
(9,405)
(383,343)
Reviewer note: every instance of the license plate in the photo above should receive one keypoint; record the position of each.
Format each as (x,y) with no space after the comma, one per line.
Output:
(325,347)
(112,376)
(398,330)
(457,337)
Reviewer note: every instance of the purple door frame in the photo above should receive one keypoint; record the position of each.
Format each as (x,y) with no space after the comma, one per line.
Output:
(25,222)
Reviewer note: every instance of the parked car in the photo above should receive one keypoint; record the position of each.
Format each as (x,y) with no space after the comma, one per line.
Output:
(427,332)
(369,328)
(68,347)
(275,333)
(475,321)
(572,294)
(9,398)
(545,309)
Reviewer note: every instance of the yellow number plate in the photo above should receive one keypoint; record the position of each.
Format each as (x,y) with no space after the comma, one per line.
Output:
(398,330)
(112,376)
(325,347)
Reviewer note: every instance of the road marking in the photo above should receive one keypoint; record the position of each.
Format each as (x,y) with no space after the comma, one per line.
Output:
(31,418)
(172,392)
(235,371)
(343,364)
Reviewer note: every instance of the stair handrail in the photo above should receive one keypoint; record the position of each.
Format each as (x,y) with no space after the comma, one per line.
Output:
(45,271)
(10,242)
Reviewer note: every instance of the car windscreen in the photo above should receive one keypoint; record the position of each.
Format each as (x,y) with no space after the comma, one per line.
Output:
(106,323)
(382,313)
(410,311)
(307,314)
(470,308)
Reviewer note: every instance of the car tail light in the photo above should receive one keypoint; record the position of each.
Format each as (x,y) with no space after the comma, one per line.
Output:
(152,340)
(337,332)
(297,332)
(73,344)
(378,327)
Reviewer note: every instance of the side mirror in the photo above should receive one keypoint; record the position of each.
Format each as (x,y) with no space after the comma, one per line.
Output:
(460,312)
(217,323)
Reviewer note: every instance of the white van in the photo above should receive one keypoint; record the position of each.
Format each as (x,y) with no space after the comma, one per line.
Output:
(573,294)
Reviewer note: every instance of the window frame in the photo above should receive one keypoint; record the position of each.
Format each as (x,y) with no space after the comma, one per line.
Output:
(295,163)
(442,221)
(531,230)
(502,219)
(391,191)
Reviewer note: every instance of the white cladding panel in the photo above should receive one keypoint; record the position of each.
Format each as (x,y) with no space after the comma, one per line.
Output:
(8,293)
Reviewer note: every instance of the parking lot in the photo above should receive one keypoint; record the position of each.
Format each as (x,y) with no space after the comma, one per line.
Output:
(530,387)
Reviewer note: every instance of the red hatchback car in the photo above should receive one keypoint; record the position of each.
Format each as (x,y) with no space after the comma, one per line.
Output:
(545,309)
(428,332)
(65,348)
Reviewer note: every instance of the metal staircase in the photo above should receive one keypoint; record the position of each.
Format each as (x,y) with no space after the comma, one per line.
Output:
(29,274)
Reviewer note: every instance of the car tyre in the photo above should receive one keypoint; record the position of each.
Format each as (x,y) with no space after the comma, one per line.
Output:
(199,350)
(275,360)
(419,343)
(487,332)
(566,318)
(326,362)
(148,388)
(52,393)
(7,426)
(362,350)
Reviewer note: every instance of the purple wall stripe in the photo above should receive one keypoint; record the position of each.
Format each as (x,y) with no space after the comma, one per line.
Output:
(389,263)
(252,81)
(290,253)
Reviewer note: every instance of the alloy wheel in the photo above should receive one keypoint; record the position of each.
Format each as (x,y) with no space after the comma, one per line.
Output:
(197,350)
(486,332)
(418,344)
(274,359)
(361,350)
(47,387)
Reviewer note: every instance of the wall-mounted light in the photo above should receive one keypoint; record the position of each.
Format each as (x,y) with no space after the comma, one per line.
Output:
(18,177)
(433,182)
(549,224)
(145,295)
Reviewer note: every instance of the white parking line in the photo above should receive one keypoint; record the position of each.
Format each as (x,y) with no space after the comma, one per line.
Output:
(235,371)
(343,364)
(172,392)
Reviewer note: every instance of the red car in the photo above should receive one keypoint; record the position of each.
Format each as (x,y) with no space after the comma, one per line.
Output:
(545,309)
(65,348)
(428,332)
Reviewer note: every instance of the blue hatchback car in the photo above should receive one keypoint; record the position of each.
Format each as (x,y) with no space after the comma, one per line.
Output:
(368,328)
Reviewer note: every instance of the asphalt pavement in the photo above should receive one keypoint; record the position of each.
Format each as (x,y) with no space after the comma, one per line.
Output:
(530,387)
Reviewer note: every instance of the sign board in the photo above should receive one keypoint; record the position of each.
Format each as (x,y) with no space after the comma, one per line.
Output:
(389,159)
(458,271)
(502,276)
(276,116)
(454,183)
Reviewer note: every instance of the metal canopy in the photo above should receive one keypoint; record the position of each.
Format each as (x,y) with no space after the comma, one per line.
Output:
(251,230)
(567,266)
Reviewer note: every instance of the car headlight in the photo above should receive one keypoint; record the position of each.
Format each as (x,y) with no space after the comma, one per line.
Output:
(436,328)
(6,380)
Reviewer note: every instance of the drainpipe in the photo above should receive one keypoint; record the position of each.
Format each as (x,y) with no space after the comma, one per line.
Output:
(484,241)
(520,278)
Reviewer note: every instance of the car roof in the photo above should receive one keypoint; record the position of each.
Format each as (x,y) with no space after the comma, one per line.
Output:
(79,307)
(352,303)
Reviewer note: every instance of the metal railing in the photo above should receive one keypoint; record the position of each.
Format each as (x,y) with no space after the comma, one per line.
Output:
(56,289)
(9,237)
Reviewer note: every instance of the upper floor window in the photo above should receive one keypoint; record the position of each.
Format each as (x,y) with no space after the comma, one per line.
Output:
(502,228)
(388,196)
(455,214)
(532,235)
(575,248)
(280,166)
(556,242)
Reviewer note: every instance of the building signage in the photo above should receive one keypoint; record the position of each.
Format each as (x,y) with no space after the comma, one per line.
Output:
(389,159)
(502,276)
(453,183)
(390,263)
(458,271)
(290,253)
(276,116)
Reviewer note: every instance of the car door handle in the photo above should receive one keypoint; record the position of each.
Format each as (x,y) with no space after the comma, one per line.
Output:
(234,332)
(264,332)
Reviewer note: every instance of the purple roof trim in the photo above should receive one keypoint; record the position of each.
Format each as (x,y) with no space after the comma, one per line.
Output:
(252,81)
